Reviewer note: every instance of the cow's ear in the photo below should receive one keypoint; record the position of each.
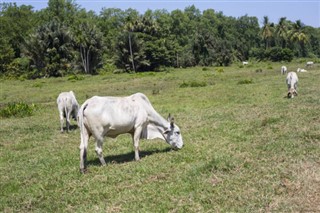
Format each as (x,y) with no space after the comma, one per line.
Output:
(171,120)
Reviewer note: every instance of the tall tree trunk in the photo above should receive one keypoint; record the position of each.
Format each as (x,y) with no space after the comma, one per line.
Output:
(130,47)
(82,53)
(88,61)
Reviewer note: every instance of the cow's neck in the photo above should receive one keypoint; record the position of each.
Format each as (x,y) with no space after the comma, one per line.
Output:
(158,121)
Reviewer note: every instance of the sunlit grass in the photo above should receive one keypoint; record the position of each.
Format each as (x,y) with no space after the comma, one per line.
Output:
(247,147)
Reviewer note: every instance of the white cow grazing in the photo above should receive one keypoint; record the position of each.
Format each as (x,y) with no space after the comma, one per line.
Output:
(67,106)
(309,64)
(245,63)
(283,70)
(292,83)
(111,116)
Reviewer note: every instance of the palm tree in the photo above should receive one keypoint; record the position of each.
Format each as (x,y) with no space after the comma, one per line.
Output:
(282,31)
(129,28)
(267,31)
(88,39)
(49,49)
(298,35)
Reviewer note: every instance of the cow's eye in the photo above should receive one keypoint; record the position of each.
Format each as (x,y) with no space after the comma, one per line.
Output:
(177,133)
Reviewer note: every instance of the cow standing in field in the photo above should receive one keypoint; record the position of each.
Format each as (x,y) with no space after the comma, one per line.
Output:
(292,83)
(67,106)
(112,116)
(283,70)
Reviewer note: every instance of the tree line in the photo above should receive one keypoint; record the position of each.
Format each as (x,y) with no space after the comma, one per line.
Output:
(64,38)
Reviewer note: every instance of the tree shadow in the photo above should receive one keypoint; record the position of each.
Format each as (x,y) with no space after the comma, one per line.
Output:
(124,158)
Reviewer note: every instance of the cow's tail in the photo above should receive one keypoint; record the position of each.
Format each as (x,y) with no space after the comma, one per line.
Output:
(84,135)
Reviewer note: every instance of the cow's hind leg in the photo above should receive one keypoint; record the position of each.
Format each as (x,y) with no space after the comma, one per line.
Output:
(83,150)
(61,122)
(68,121)
(99,143)
(136,138)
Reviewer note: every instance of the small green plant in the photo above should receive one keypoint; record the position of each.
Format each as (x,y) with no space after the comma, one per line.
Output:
(193,84)
(245,81)
(220,70)
(38,84)
(19,109)
(74,78)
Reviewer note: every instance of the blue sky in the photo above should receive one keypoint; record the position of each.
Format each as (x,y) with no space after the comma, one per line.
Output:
(308,11)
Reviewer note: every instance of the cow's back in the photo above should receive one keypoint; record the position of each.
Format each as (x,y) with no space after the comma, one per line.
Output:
(292,78)
(64,100)
(111,116)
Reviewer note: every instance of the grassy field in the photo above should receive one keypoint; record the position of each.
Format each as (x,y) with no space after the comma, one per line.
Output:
(247,147)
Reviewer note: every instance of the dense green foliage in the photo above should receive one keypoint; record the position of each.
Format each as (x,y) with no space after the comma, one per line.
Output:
(64,38)
(247,148)
(17,109)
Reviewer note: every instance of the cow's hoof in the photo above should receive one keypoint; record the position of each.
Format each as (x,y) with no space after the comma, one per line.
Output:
(83,171)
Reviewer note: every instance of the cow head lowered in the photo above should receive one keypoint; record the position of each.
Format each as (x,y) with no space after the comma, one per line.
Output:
(291,93)
(173,135)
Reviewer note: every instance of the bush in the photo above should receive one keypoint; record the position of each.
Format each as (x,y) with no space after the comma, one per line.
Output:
(257,53)
(38,84)
(245,81)
(220,70)
(19,109)
(279,54)
(273,54)
(74,78)
(193,84)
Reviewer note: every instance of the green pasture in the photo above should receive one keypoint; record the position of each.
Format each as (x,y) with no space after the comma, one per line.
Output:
(247,147)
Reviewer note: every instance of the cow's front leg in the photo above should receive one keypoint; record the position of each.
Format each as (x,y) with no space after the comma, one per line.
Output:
(99,143)
(136,138)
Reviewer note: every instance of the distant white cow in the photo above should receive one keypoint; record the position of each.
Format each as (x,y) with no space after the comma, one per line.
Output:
(301,70)
(111,116)
(245,63)
(309,64)
(292,83)
(283,70)
(67,106)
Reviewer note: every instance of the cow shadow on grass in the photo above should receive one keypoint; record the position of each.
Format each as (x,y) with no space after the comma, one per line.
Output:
(71,128)
(124,158)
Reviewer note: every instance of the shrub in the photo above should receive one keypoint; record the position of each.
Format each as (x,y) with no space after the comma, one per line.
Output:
(193,84)
(258,53)
(273,54)
(220,70)
(38,84)
(279,54)
(19,109)
(269,67)
(245,81)
(74,78)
